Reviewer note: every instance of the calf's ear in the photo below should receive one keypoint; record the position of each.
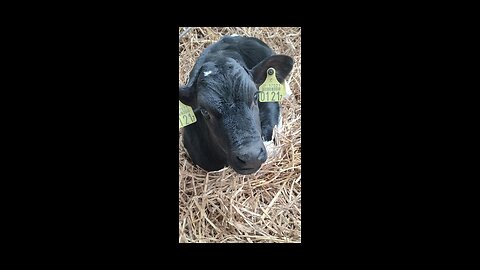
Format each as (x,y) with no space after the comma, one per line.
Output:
(282,64)
(185,95)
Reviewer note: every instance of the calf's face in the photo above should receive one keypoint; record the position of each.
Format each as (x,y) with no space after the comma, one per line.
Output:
(227,99)
(226,95)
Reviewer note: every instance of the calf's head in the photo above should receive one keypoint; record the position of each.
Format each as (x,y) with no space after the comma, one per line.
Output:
(224,95)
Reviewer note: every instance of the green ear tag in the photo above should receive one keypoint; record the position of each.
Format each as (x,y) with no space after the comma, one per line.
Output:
(271,90)
(185,115)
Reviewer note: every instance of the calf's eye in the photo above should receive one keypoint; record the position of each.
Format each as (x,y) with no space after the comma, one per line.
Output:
(205,113)
(255,98)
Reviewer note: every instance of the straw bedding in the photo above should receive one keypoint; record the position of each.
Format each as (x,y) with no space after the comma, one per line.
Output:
(223,206)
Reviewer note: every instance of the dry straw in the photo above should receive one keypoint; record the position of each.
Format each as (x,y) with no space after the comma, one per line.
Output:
(223,206)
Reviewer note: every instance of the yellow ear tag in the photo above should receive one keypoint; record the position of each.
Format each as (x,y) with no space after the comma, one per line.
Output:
(185,115)
(271,90)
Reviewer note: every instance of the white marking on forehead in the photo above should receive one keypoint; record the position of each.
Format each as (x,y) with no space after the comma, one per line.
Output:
(206,73)
(235,35)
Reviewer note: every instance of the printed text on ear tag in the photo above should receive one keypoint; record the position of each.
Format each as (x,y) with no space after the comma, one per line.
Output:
(185,115)
(271,90)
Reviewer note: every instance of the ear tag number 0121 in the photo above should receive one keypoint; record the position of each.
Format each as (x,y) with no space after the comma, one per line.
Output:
(271,90)
(185,115)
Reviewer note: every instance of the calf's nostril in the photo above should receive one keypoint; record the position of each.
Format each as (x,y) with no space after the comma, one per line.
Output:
(261,154)
(240,159)
(262,157)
